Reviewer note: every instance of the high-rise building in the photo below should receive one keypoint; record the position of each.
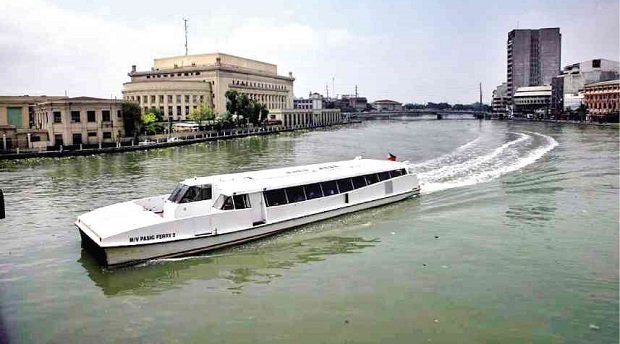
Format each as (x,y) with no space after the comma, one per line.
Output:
(533,57)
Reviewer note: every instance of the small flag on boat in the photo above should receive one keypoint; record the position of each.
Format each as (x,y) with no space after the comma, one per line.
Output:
(391,157)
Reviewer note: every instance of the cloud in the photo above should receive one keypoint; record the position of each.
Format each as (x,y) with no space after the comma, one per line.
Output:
(47,50)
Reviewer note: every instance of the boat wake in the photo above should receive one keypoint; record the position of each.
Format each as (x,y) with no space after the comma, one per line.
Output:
(474,162)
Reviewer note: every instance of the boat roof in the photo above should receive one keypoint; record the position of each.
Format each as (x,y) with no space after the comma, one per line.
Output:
(277,178)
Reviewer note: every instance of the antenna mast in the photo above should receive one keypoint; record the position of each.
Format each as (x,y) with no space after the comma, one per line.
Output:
(480,96)
(185,24)
(327,90)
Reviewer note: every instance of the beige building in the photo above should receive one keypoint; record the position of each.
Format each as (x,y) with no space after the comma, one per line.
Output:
(173,83)
(79,120)
(306,117)
(16,119)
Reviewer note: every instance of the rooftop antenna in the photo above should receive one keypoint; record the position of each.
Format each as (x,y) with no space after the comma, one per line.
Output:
(334,88)
(480,96)
(356,91)
(327,90)
(185,24)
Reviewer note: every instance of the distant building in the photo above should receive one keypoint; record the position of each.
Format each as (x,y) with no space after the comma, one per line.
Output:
(387,105)
(602,100)
(568,87)
(314,101)
(258,80)
(305,117)
(354,103)
(533,58)
(532,99)
(500,98)
(577,75)
(79,120)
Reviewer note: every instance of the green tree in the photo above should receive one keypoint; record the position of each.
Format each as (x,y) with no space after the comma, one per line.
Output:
(159,115)
(148,122)
(202,114)
(231,101)
(132,120)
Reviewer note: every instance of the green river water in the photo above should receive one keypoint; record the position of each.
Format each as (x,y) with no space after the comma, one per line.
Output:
(513,240)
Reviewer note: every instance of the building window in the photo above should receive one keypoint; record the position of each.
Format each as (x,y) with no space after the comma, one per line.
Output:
(77,139)
(195,99)
(58,119)
(91,116)
(161,99)
(169,99)
(179,111)
(169,113)
(105,115)
(58,140)
(107,134)
(186,99)
(119,114)
(92,134)
(75,116)
(178,98)
(152,99)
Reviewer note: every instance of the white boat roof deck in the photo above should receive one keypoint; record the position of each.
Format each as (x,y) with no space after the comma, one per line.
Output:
(253,181)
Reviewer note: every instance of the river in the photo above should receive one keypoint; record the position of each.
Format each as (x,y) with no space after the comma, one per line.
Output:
(514,239)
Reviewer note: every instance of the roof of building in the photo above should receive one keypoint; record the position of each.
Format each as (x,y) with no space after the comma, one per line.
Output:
(247,182)
(386,101)
(604,83)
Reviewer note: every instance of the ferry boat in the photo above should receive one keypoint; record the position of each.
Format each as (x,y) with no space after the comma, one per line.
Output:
(205,213)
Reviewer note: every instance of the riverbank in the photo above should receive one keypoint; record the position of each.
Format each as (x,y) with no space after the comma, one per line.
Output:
(559,121)
(152,142)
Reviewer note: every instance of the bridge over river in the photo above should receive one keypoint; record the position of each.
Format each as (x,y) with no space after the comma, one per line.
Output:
(419,114)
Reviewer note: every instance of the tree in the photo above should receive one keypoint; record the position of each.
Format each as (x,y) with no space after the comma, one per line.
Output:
(159,115)
(132,120)
(231,101)
(148,122)
(202,114)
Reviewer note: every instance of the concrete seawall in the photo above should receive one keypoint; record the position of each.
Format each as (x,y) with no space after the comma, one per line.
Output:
(188,140)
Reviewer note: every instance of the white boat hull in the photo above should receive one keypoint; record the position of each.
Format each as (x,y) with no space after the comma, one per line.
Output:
(128,255)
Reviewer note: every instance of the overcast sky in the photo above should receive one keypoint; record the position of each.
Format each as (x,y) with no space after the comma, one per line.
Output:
(410,51)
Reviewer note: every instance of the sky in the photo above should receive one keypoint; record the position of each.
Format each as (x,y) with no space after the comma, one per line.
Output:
(409,51)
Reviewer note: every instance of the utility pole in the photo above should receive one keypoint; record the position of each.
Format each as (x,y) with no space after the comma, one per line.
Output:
(333,87)
(327,90)
(185,24)
(356,92)
(480,96)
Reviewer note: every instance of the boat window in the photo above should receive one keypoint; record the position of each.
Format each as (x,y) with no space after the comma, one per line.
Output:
(176,192)
(275,197)
(383,176)
(206,192)
(192,193)
(371,179)
(344,185)
(313,191)
(241,201)
(403,171)
(359,182)
(395,173)
(295,194)
(228,203)
(329,188)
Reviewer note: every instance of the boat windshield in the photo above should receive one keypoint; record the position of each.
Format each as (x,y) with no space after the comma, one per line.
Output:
(186,194)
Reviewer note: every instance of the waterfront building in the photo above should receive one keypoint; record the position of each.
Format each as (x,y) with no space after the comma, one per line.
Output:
(355,103)
(387,105)
(306,117)
(532,99)
(533,58)
(314,101)
(258,80)
(500,98)
(603,100)
(79,120)
(568,87)
(17,119)
(175,99)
